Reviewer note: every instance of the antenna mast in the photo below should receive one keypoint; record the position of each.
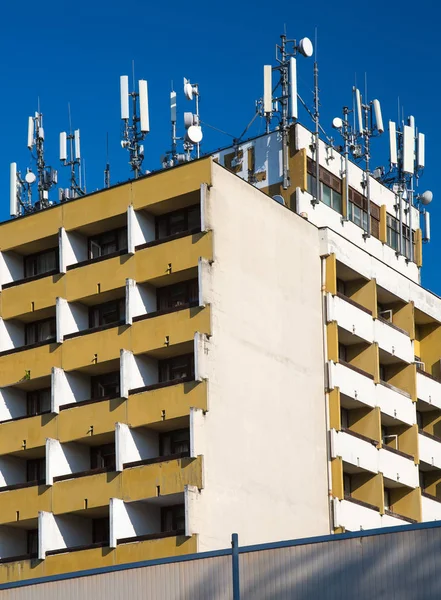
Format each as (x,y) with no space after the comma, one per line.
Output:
(71,159)
(107,169)
(136,127)
(46,176)
(287,68)
(192,122)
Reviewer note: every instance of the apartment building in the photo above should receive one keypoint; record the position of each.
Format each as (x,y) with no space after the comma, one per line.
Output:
(161,374)
(382,335)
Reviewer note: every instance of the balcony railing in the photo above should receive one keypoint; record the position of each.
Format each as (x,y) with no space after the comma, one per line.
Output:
(25,484)
(90,401)
(361,502)
(5,286)
(356,304)
(82,332)
(356,369)
(161,384)
(51,340)
(92,261)
(391,513)
(157,459)
(168,238)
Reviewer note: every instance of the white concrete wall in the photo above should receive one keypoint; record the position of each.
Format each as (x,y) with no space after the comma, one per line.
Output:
(68,387)
(354,517)
(429,451)
(132,519)
(12,403)
(265,473)
(11,267)
(13,541)
(64,531)
(71,318)
(12,470)
(140,228)
(12,335)
(136,371)
(140,299)
(429,390)
(64,459)
(134,444)
(431,509)
(73,248)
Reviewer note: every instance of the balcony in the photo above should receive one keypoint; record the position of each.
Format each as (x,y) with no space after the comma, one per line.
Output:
(354,384)
(394,465)
(431,508)
(351,317)
(429,449)
(355,516)
(147,264)
(428,389)
(135,551)
(159,335)
(95,491)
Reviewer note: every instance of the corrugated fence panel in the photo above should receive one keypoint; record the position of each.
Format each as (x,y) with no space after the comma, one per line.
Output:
(399,565)
(403,566)
(201,579)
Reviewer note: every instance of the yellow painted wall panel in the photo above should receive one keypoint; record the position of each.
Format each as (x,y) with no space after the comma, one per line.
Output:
(109,274)
(43,292)
(33,431)
(96,207)
(24,230)
(173,401)
(174,182)
(29,364)
(97,347)
(79,422)
(91,491)
(26,502)
(97,557)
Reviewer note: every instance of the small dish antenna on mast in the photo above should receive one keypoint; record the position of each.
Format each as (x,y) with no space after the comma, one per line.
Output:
(193,135)
(138,126)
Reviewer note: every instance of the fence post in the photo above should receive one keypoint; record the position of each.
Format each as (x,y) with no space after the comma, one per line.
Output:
(235,565)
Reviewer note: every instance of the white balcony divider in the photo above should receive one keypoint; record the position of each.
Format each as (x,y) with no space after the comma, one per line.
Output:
(134,444)
(11,267)
(140,300)
(12,470)
(12,335)
(73,248)
(71,317)
(68,387)
(65,459)
(136,371)
(56,532)
(131,519)
(12,403)
(140,228)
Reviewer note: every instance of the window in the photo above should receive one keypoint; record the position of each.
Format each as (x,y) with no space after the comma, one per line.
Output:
(108,243)
(422,478)
(40,331)
(38,401)
(344,417)
(36,469)
(358,212)
(342,354)
(341,286)
(179,221)
(389,439)
(42,262)
(358,216)
(174,442)
(347,485)
(330,186)
(173,518)
(107,313)
(179,367)
(393,235)
(177,295)
(106,385)
(419,419)
(32,541)
(100,530)
(387,503)
(103,457)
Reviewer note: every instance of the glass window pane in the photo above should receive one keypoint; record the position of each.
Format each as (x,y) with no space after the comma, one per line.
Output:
(336,201)
(326,194)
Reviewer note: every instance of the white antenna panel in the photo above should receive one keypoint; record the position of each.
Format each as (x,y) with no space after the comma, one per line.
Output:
(421,152)
(13,208)
(144,106)
(63,146)
(293,87)
(267,89)
(124,88)
(412,124)
(30,133)
(426,226)
(77,144)
(358,108)
(173,113)
(378,116)
(408,149)
(393,143)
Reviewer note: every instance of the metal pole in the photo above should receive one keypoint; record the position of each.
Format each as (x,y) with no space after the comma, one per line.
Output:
(235,566)
(284,102)
(317,133)
(367,172)
(346,154)
(410,201)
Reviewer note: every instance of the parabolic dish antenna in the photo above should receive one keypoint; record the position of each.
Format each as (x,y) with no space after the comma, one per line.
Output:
(194,134)
(30,177)
(305,47)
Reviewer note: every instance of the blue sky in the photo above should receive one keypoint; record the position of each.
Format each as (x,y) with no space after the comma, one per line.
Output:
(74,53)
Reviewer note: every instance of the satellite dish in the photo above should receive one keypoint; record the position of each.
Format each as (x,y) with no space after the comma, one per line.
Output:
(278,198)
(194,134)
(305,47)
(30,177)
(337,123)
(188,89)
(188,119)
(426,197)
